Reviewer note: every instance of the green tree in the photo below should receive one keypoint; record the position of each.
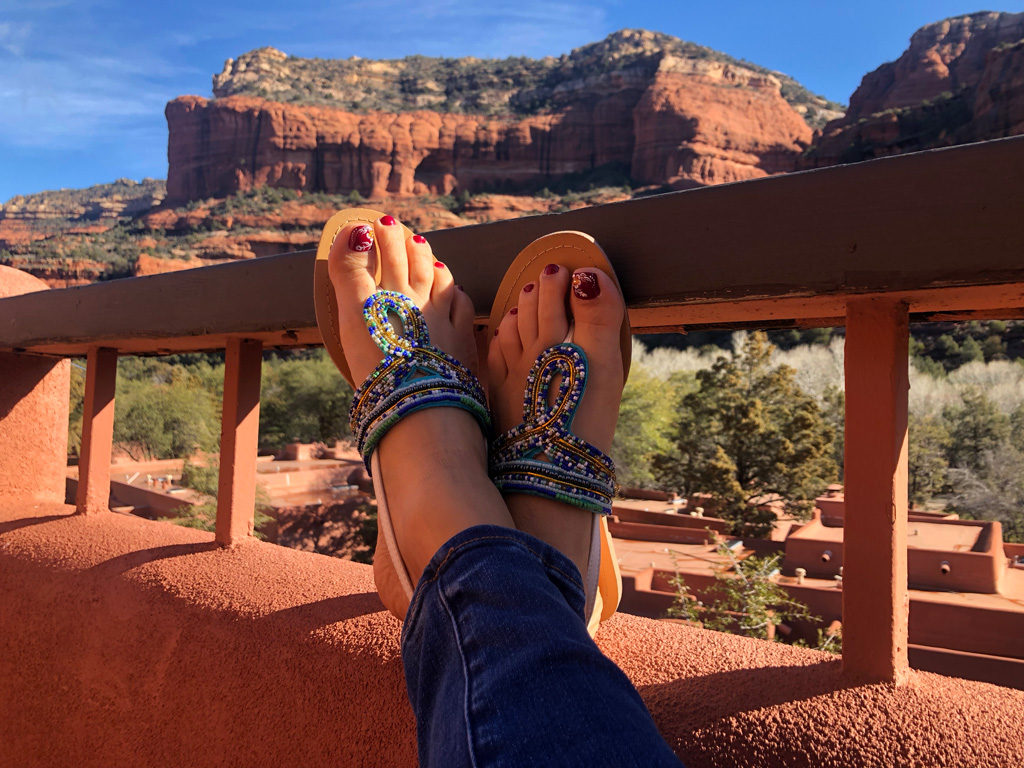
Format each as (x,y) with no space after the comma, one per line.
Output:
(164,421)
(203,478)
(644,427)
(970,351)
(745,599)
(747,432)
(77,405)
(928,443)
(976,427)
(834,411)
(303,398)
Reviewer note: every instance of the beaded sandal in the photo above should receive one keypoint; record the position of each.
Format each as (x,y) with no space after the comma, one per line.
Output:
(541,456)
(412,376)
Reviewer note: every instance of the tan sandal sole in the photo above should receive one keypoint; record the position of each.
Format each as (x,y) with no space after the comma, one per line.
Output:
(325,302)
(390,575)
(572,250)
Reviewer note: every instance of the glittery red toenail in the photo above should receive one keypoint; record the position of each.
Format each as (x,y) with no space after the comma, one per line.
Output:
(361,239)
(585,285)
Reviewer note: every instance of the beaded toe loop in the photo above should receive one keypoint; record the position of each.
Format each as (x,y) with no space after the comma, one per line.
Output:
(541,456)
(412,376)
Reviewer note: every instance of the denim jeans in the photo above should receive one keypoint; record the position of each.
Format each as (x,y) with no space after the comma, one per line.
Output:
(500,668)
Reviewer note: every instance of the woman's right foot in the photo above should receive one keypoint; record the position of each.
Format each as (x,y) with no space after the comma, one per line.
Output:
(433,462)
(541,320)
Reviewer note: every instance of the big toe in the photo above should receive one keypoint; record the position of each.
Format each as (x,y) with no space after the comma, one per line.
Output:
(597,309)
(351,266)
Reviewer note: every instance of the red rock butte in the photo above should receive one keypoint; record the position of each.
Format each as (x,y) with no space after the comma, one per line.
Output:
(693,123)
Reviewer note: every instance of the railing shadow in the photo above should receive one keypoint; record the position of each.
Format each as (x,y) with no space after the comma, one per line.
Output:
(307,618)
(693,702)
(115,566)
(24,522)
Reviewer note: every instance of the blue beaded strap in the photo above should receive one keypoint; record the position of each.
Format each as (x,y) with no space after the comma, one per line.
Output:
(412,376)
(571,470)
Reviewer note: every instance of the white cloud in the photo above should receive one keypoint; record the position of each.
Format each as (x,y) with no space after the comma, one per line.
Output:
(13,36)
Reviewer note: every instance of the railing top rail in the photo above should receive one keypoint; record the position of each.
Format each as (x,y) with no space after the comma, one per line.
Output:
(941,227)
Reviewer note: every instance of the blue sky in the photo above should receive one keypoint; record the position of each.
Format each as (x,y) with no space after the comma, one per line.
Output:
(83,83)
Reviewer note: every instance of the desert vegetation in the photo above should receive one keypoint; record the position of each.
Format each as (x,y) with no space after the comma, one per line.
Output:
(743,421)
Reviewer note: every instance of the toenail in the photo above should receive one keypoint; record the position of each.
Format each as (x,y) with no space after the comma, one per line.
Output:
(419,239)
(495,331)
(461,288)
(514,311)
(388,221)
(528,287)
(439,264)
(361,238)
(551,269)
(585,285)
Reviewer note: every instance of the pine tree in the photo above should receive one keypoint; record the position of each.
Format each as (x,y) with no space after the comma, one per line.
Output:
(749,431)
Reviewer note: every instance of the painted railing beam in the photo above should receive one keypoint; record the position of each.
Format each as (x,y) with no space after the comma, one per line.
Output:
(239,437)
(875,596)
(93,493)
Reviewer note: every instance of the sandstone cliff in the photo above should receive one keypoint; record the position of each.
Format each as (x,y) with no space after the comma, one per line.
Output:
(643,106)
(961,80)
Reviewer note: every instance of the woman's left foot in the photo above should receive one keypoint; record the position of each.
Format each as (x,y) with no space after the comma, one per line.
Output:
(434,461)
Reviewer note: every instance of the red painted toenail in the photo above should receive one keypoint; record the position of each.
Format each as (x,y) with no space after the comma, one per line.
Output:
(585,285)
(551,269)
(514,311)
(439,264)
(528,287)
(388,221)
(361,239)
(419,239)
(495,331)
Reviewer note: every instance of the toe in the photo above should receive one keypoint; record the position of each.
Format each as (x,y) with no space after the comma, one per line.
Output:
(497,369)
(508,337)
(443,287)
(553,321)
(352,264)
(421,266)
(394,260)
(597,309)
(527,315)
(462,312)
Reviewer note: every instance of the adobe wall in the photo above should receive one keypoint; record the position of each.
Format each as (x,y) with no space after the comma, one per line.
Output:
(997,670)
(683,520)
(33,412)
(132,642)
(663,533)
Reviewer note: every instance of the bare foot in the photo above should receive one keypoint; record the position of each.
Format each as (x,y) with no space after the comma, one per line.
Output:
(540,320)
(433,462)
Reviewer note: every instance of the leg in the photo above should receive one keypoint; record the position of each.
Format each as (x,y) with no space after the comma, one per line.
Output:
(501,670)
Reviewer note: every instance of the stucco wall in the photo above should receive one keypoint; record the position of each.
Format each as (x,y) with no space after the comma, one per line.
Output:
(130,642)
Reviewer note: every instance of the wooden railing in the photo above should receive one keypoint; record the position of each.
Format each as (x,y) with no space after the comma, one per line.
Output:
(930,236)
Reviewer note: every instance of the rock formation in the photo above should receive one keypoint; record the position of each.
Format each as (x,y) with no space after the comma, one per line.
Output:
(961,80)
(643,106)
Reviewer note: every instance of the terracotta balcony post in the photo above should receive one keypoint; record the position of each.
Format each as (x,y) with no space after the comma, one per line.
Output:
(240,423)
(97,431)
(875,535)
